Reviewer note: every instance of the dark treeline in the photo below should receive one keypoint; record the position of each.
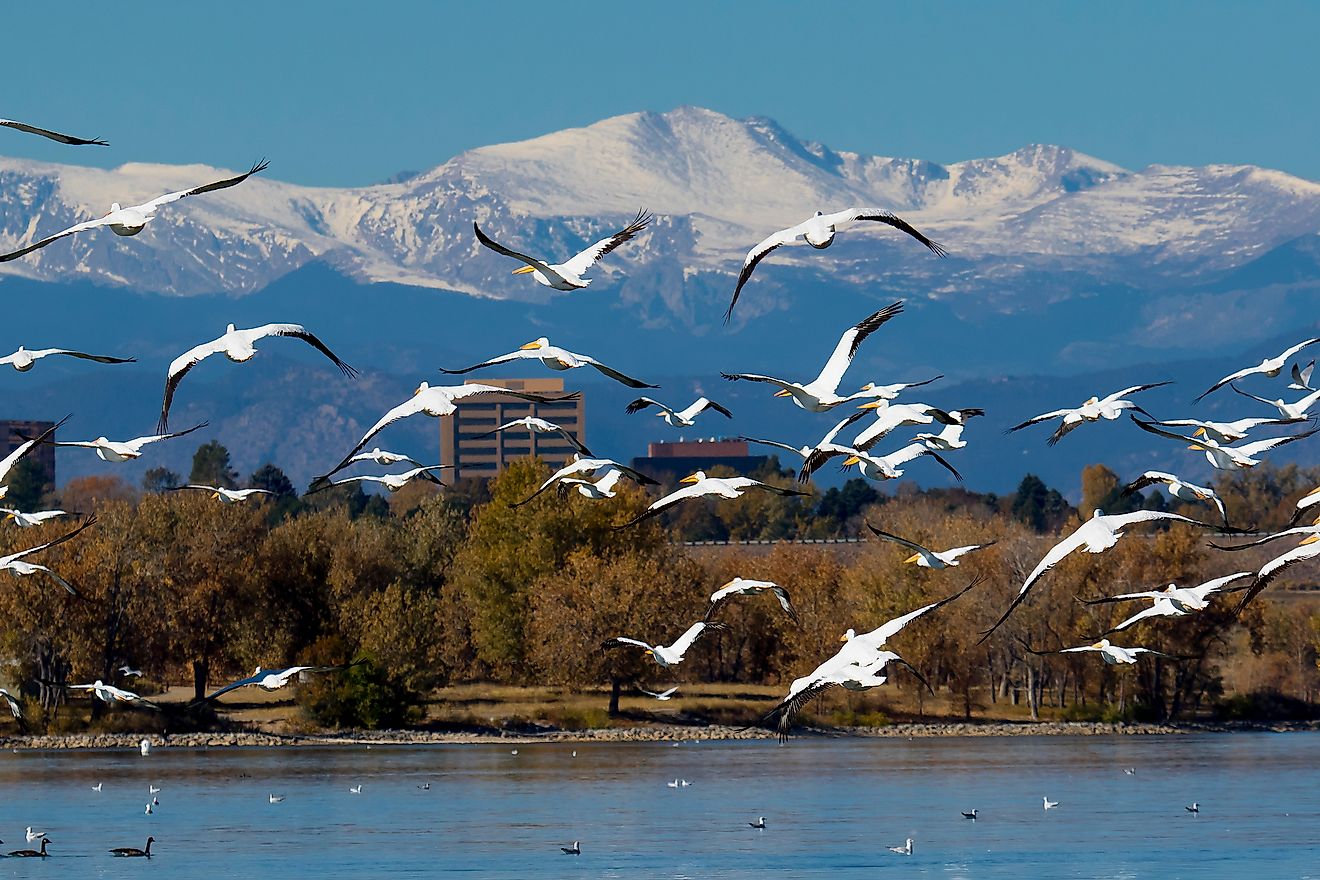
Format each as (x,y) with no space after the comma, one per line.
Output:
(437,587)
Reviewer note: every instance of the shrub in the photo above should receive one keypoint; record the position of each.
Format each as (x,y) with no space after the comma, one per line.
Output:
(362,696)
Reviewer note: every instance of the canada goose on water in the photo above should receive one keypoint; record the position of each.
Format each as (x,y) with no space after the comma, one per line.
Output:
(31,853)
(574,850)
(134,852)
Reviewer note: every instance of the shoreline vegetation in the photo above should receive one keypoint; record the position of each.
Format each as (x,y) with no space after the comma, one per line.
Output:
(674,733)
(468,610)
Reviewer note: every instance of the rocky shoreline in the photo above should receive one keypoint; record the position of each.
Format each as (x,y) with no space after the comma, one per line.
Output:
(669,733)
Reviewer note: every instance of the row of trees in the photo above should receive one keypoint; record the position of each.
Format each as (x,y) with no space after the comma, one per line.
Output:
(442,587)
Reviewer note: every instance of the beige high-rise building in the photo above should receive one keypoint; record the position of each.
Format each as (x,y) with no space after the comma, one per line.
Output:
(473,455)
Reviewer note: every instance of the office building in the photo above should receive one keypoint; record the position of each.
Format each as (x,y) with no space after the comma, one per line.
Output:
(14,432)
(670,461)
(473,455)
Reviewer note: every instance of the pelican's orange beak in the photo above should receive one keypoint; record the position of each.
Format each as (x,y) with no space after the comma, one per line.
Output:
(524,270)
(1310,539)
(913,558)
(1199,432)
(850,461)
(529,346)
(783,393)
(875,404)
(690,478)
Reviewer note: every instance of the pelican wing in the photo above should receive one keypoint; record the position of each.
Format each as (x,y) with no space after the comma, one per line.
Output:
(642,403)
(53,135)
(37,245)
(1161,608)
(208,187)
(409,407)
(99,358)
(502,359)
(692,633)
(878,637)
(620,641)
(1151,428)
(298,331)
(584,260)
(756,255)
(90,521)
(775,443)
(1217,585)
(660,505)
(700,405)
(1297,530)
(1275,567)
(757,377)
(816,459)
(897,540)
(832,373)
(179,368)
(1043,417)
(138,442)
(616,375)
(1124,597)
(8,462)
(1133,389)
(538,265)
(1259,446)
(902,226)
(1056,555)
(1250,395)
(1149,478)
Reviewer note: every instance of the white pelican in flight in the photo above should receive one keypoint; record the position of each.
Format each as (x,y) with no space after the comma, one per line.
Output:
(116,451)
(1108,407)
(22,449)
(270,679)
(53,135)
(740,586)
(108,693)
(1226,457)
(1178,488)
(598,488)
(667,655)
(581,466)
(228,496)
(1269,366)
(663,696)
(436,401)
(567,275)
(821,393)
(1223,432)
(237,345)
(904,850)
(873,467)
(1112,654)
(698,485)
(28,520)
(819,232)
(24,360)
(891,416)
(1096,535)
(395,482)
(555,358)
(540,426)
(14,564)
(858,665)
(947,440)
(924,558)
(1307,549)
(132,220)
(680,418)
(1288,412)
(1173,601)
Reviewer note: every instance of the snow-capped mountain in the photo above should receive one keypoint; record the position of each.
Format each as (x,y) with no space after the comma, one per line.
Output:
(717,184)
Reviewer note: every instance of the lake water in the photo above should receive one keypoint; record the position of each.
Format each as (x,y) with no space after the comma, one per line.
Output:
(832,808)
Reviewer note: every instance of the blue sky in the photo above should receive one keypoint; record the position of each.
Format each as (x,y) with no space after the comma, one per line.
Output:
(351,93)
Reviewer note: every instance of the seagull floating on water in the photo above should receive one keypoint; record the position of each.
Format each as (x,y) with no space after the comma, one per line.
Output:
(1049,804)
(904,850)
(276,799)
(34,835)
